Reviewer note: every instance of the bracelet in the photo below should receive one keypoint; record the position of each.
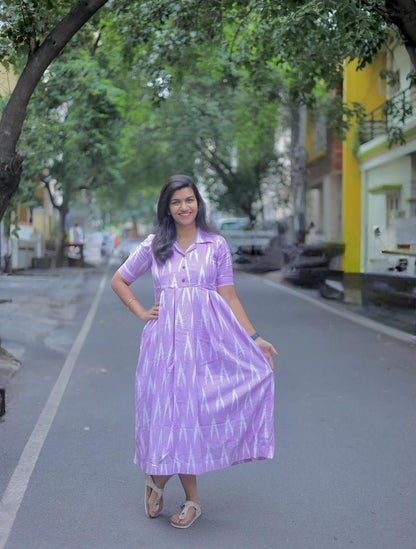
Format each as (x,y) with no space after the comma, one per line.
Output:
(255,336)
(129,301)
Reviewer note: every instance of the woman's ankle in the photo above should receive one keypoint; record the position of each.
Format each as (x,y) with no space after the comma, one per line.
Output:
(160,480)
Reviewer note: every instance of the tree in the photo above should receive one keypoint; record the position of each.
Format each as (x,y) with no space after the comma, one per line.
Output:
(72,131)
(202,114)
(220,132)
(308,40)
(36,30)
(402,13)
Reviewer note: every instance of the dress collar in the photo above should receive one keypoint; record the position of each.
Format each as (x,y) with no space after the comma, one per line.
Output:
(201,237)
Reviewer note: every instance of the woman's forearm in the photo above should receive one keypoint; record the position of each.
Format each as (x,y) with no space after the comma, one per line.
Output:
(230,296)
(122,289)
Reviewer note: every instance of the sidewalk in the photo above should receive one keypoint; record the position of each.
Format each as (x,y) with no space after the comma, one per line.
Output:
(34,302)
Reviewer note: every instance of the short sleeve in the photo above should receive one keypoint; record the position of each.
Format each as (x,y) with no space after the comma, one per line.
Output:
(138,262)
(224,263)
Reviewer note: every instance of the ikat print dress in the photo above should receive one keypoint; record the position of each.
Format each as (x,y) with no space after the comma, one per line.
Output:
(204,390)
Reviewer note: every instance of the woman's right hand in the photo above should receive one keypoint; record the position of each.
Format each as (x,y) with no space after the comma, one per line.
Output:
(150,314)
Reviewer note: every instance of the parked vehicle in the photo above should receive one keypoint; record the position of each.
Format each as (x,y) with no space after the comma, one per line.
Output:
(242,238)
(309,265)
(233,224)
(98,247)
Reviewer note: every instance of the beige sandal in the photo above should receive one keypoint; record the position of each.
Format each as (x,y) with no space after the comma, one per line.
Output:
(157,506)
(185,507)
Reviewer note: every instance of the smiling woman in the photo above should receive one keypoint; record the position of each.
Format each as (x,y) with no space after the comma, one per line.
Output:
(169,230)
(183,208)
(204,381)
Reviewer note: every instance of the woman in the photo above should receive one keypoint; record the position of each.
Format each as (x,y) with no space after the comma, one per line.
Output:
(204,381)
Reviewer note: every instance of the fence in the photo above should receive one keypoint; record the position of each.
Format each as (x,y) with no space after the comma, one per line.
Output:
(393,113)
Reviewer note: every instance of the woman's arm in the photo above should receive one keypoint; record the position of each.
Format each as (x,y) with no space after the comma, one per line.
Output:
(122,289)
(230,296)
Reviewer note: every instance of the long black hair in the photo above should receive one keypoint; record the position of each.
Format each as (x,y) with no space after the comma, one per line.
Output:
(165,234)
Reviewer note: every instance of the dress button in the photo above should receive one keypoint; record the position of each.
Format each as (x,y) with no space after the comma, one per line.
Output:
(183,279)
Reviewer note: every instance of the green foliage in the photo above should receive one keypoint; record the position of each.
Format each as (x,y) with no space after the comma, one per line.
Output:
(72,127)
(191,108)
(308,40)
(204,87)
(223,134)
(24,25)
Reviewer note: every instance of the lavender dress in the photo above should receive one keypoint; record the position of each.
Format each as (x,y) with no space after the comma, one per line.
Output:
(204,389)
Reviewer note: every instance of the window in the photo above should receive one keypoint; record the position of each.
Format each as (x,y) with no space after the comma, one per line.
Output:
(392,207)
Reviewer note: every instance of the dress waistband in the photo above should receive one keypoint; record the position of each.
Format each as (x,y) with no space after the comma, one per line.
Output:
(184,285)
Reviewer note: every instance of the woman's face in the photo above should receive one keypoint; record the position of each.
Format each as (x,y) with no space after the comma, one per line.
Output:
(183,207)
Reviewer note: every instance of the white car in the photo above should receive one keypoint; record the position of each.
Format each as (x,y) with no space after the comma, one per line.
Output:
(233,224)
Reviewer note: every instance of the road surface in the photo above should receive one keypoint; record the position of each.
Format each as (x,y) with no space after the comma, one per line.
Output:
(344,474)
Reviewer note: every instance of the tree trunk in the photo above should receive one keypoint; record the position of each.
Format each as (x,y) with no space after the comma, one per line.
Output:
(298,174)
(5,259)
(10,172)
(402,13)
(134,231)
(61,236)
(14,114)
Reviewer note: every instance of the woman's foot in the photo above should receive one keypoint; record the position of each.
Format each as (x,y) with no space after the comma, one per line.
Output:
(153,498)
(190,511)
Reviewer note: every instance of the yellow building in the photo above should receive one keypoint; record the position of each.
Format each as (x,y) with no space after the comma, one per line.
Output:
(378,177)
(361,192)
(364,87)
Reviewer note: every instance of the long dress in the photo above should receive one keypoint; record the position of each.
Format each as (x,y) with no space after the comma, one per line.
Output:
(204,390)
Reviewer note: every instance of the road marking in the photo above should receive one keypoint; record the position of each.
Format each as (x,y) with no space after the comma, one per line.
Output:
(15,491)
(348,315)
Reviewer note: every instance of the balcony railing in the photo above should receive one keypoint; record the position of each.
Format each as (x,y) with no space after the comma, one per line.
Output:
(389,118)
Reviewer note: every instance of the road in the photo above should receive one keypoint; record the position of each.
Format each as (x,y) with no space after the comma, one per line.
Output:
(344,474)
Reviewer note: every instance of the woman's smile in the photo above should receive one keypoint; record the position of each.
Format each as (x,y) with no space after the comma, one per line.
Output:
(183,206)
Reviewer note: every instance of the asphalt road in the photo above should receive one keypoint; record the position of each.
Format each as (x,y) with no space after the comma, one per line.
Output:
(344,475)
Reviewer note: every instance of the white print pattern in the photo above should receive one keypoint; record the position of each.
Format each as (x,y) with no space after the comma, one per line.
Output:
(204,390)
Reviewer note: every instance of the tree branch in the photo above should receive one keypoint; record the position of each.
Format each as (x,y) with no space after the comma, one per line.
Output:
(223,169)
(46,182)
(14,114)
(402,13)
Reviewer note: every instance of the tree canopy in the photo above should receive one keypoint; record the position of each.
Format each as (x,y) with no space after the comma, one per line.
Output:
(37,33)
(158,46)
(72,130)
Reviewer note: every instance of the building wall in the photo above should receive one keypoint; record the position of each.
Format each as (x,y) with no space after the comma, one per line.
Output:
(398,62)
(35,226)
(389,184)
(380,185)
(7,81)
(365,87)
(332,191)
(323,182)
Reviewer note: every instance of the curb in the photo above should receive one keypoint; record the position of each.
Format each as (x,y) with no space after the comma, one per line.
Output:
(400,335)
